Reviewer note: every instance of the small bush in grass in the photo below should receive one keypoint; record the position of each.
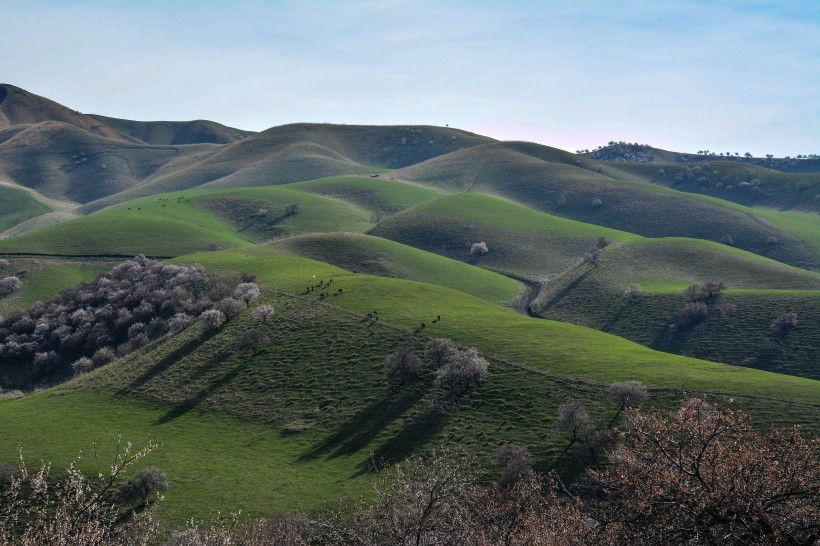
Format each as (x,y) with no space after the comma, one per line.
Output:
(691,313)
(593,257)
(596,203)
(9,285)
(142,485)
(463,372)
(246,292)
(479,249)
(771,241)
(3,263)
(784,324)
(179,321)
(628,394)
(82,365)
(438,351)
(230,307)
(633,292)
(7,472)
(727,239)
(212,319)
(263,312)
(255,340)
(402,366)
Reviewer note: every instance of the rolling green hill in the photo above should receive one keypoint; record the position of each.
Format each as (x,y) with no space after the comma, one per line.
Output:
(295,421)
(582,194)
(184,222)
(18,205)
(384,258)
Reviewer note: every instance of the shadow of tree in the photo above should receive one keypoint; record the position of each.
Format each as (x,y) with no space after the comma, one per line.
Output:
(367,424)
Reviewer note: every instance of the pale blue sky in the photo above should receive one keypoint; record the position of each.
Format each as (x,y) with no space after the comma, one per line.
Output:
(727,76)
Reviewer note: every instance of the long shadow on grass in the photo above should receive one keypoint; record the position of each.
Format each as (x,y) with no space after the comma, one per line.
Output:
(566,290)
(417,432)
(358,432)
(163,364)
(194,401)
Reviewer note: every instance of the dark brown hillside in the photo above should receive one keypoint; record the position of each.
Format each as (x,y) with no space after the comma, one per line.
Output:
(176,132)
(20,107)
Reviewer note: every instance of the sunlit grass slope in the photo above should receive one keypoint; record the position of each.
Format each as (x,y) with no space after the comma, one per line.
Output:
(374,194)
(610,198)
(184,222)
(384,258)
(17,205)
(43,278)
(560,348)
(520,240)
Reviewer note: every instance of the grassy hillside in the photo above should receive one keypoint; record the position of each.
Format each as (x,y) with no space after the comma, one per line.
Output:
(740,182)
(18,205)
(521,241)
(737,330)
(295,422)
(373,194)
(383,258)
(608,199)
(21,107)
(62,161)
(550,346)
(175,132)
(184,222)
(293,153)
(43,278)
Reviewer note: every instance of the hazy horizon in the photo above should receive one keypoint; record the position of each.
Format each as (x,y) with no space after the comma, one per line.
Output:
(729,76)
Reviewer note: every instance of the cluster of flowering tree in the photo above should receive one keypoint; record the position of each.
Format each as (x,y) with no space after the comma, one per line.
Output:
(123,310)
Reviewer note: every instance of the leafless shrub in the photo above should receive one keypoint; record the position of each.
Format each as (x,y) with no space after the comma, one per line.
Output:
(9,285)
(35,509)
(246,292)
(142,485)
(691,313)
(479,249)
(463,372)
(82,365)
(771,240)
(263,312)
(596,203)
(438,351)
(402,365)
(513,463)
(784,324)
(4,263)
(727,239)
(593,257)
(633,292)
(254,340)
(212,319)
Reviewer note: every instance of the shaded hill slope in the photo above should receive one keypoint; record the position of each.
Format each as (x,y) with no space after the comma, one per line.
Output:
(175,132)
(581,194)
(62,161)
(293,153)
(21,107)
